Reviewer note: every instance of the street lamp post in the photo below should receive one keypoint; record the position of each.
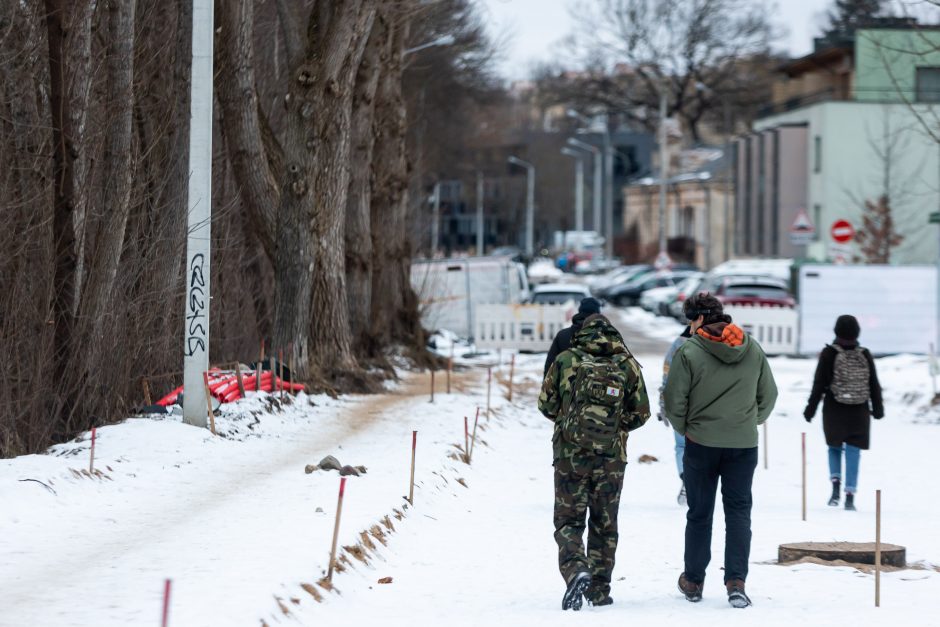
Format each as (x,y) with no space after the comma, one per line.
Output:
(663,172)
(598,179)
(608,158)
(578,195)
(529,203)
(446,40)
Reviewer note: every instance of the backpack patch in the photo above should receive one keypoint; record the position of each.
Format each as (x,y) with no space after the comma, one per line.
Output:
(592,419)
(850,376)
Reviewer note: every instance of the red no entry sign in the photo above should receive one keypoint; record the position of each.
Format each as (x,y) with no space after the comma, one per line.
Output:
(842,231)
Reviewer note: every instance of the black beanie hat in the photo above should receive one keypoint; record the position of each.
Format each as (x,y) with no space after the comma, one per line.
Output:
(589,306)
(847,328)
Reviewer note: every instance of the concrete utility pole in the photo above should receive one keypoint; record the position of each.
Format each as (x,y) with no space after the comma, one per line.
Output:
(663,171)
(597,195)
(480,223)
(578,195)
(729,163)
(609,173)
(436,220)
(199,221)
(529,203)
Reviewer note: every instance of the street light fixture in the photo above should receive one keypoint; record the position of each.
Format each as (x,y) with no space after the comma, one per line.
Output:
(529,203)
(578,195)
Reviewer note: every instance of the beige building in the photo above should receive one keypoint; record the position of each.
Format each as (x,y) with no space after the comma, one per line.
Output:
(698,216)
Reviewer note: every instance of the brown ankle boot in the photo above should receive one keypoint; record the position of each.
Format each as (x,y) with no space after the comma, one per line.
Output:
(736,595)
(691,590)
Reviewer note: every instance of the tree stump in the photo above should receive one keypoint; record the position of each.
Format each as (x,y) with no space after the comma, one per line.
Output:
(852,552)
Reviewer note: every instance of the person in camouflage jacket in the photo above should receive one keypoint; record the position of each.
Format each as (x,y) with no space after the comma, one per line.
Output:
(590,480)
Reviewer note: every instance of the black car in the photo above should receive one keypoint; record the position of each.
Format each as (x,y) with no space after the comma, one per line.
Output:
(628,294)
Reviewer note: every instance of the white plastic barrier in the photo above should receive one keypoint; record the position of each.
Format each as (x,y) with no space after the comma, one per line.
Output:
(520,327)
(776,329)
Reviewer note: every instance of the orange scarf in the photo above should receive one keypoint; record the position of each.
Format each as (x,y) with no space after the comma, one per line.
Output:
(732,335)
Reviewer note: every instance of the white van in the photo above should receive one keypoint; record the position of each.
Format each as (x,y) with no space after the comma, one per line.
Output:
(449,289)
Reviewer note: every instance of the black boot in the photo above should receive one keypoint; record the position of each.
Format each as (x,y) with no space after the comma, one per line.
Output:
(849,501)
(834,500)
(574,595)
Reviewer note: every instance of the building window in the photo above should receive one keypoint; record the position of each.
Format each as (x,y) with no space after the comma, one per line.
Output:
(817,154)
(928,84)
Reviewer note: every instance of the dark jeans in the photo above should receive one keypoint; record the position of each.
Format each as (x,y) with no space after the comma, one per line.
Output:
(704,465)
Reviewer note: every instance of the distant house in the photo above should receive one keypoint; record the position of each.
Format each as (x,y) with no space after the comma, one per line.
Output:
(844,128)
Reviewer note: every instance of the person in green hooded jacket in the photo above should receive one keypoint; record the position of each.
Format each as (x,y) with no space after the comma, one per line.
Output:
(720,388)
(595,394)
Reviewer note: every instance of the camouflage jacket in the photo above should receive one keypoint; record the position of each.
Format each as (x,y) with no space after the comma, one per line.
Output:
(598,338)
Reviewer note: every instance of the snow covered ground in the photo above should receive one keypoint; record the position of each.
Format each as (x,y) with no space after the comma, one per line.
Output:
(244,533)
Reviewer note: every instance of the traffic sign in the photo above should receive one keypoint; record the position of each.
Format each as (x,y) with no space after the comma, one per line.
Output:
(842,231)
(663,261)
(802,231)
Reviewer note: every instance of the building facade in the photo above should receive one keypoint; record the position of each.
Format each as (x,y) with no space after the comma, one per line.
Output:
(850,124)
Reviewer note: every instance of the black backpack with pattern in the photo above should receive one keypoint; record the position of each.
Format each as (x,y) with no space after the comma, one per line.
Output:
(850,376)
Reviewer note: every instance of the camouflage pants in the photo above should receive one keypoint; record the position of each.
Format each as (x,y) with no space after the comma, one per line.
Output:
(588,484)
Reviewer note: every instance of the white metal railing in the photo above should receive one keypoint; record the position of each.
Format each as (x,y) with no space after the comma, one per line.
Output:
(776,329)
(520,327)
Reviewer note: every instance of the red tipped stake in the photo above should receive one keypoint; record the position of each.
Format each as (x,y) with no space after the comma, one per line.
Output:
(804,475)
(466,441)
(512,372)
(339,511)
(489,383)
(166,604)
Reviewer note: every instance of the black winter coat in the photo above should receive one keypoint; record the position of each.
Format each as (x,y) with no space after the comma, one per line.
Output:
(849,424)
(562,341)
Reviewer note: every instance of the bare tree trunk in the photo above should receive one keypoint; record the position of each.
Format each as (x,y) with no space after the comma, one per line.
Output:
(95,311)
(358,216)
(393,301)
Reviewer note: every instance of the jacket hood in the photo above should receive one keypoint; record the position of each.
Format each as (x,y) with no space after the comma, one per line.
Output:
(598,337)
(724,352)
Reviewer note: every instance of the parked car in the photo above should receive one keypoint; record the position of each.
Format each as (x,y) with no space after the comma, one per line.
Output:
(750,290)
(558,294)
(658,299)
(543,270)
(618,276)
(628,295)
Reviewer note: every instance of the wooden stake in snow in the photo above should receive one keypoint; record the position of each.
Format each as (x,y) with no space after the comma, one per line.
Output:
(91,458)
(450,366)
(339,511)
(238,377)
(205,380)
(473,438)
(512,372)
(260,368)
(877,548)
(432,385)
(411,489)
(466,440)
(765,447)
(146,384)
(489,383)
(166,604)
(804,475)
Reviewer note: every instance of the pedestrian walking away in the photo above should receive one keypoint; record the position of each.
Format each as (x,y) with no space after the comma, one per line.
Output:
(595,394)
(720,388)
(679,439)
(847,383)
(562,341)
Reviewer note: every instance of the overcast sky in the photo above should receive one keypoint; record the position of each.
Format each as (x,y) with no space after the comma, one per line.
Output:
(531,28)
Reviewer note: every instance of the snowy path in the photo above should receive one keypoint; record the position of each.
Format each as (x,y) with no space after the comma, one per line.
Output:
(234,521)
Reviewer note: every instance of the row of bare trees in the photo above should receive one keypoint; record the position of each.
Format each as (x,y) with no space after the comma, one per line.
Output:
(311,247)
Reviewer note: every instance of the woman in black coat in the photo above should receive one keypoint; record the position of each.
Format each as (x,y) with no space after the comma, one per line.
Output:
(846,426)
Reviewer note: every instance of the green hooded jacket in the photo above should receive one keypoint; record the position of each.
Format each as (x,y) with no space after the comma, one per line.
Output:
(717,394)
(598,338)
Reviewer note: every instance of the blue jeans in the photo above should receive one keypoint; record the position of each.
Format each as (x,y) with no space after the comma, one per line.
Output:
(852,454)
(680,450)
